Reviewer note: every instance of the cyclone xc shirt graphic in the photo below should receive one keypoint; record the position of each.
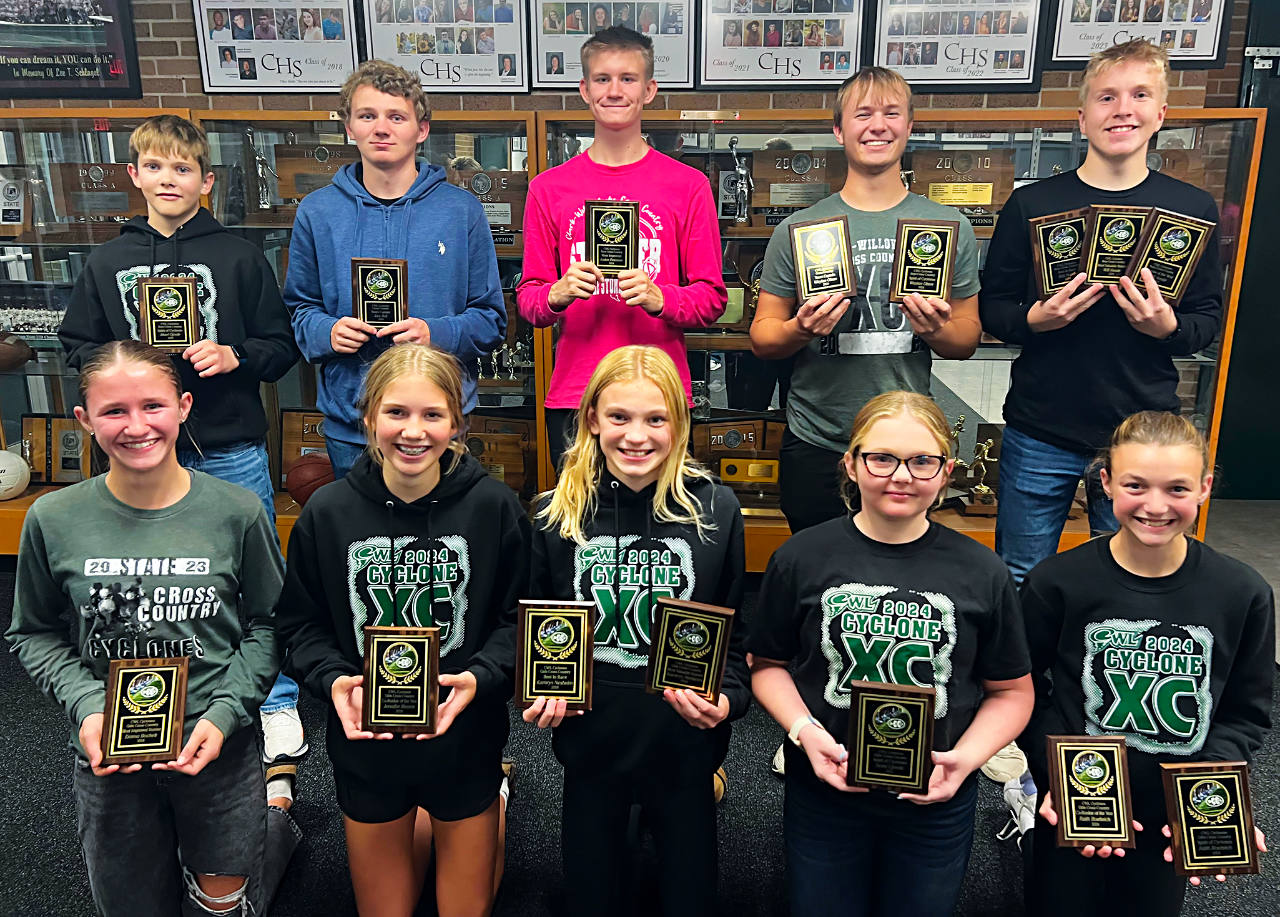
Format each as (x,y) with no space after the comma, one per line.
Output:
(420,583)
(888,634)
(618,576)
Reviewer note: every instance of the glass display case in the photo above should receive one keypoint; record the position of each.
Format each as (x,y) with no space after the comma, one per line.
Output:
(265,162)
(971,160)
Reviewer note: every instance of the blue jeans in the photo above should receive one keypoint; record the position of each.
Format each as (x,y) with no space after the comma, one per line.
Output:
(870,855)
(246,464)
(1037,484)
(342,455)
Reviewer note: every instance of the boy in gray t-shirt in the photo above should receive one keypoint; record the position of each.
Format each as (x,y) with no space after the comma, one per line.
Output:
(892,344)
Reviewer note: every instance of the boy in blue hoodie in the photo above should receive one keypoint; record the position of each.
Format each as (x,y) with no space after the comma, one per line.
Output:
(389,205)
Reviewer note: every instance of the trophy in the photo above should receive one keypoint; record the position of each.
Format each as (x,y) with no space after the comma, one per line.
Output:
(380,290)
(613,236)
(1171,246)
(401,679)
(555,644)
(1211,818)
(981,500)
(1089,781)
(689,648)
(743,184)
(890,736)
(924,258)
(168,312)
(145,707)
(1057,240)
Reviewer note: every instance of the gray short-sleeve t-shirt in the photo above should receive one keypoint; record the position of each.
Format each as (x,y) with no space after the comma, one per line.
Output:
(877,350)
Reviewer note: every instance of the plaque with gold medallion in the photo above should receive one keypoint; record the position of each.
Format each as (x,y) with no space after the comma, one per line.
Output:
(1089,782)
(975,182)
(1111,234)
(305,167)
(890,736)
(613,236)
(555,643)
(822,257)
(689,648)
(1057,248)
(502,195)
(1171,246)
(795,178)
(401,679)
(168,312)
(95,191)
(145,707)
(1210,818)
(380,290)
(924,258)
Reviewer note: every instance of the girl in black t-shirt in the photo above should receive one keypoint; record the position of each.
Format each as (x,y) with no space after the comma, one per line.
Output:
(884,594)
(1149,635)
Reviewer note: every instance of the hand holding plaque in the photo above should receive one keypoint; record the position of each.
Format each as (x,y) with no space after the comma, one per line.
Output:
(380,290)
(924,259)
(145,707)
(401,680)
(1089,783)
(555,644)
(890,736)
(1210,818)
(689,648)
(1171,247)
(613,236)
(168,312)
(823,259)
(1057,245)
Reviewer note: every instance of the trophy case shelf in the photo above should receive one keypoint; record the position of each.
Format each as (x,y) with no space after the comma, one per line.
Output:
(969,159)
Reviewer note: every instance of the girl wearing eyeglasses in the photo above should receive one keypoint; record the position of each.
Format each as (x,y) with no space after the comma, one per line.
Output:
(884,594)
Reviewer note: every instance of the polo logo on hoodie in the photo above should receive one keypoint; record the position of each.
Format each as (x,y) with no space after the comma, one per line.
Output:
(621,577)
(418,583)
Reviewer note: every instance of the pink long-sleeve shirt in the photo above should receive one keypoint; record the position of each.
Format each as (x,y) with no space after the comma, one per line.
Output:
(679,250)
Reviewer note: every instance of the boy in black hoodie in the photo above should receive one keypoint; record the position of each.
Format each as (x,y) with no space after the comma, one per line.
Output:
(248,340)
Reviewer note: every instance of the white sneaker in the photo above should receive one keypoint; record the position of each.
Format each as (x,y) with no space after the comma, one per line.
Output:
(282,735)
(1022,811)
(779,763)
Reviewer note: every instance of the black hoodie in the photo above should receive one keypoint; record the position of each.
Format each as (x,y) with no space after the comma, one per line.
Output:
(626,550)
(240,305)
(466,544)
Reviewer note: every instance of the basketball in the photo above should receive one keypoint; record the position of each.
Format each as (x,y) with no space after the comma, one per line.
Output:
(308,474)
(15,475)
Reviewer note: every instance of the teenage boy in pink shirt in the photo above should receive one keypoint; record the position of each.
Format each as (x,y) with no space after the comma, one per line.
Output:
(678,284)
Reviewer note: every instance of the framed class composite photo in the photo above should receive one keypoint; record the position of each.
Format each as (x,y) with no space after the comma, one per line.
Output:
(979,46)
(281,47)
(555,643)
(559,28)
(453,45)
(1194,32)
(759,44)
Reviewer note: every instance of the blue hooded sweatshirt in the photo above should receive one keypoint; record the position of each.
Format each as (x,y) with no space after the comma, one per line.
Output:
(453,281)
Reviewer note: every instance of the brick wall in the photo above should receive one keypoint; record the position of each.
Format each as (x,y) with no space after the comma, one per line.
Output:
(167,59)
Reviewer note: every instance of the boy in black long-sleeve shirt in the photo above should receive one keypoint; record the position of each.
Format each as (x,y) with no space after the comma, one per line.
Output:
(1090,355)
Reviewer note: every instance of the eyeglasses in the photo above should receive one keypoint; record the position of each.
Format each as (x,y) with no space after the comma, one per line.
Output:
(920,467)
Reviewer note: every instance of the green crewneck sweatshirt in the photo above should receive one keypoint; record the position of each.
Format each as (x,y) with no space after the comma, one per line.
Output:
(197,579)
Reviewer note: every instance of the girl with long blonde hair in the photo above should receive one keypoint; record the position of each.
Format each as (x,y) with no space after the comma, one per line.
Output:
(634,518)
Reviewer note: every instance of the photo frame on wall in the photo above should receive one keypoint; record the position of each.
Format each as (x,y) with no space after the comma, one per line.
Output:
(560,27)
(280,48)
(453,45)
(1194,32)
(89,52)
(981,47)
(758,44)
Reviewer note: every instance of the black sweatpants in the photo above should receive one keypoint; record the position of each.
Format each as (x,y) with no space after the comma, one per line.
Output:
(682,818)
(561,428)
(809,481)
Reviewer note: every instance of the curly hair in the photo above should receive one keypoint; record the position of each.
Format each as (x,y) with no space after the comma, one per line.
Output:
(384,77)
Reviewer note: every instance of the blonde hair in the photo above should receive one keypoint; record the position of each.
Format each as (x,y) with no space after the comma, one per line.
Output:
(384,77)
(1157,428)
(574,498)
(875,83)
(170,135)
(421,360)
(892,404)
(1138,51)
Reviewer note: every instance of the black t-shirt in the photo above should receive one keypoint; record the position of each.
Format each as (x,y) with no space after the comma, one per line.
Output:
(940,612)
(1180,665)
(1073,386)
